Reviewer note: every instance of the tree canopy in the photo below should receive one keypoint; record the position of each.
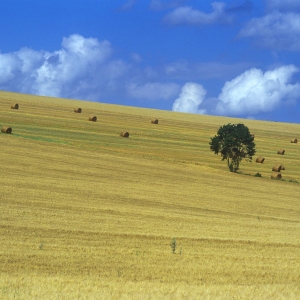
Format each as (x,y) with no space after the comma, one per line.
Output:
(234,143)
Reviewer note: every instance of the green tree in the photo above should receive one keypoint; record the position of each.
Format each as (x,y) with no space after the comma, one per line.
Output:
(234,142)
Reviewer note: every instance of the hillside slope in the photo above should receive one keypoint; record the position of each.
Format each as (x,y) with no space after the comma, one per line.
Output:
(88,214)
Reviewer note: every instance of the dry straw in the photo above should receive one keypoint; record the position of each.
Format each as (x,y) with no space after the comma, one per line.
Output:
(154,121)
(78,110)
(260,159)
(15,106)
(295,141)
(276,176)
(277,168)
(280,151)
(124,134)
(93,118)
(6,129)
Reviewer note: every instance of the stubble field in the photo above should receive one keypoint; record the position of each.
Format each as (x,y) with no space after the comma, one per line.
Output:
(87,214)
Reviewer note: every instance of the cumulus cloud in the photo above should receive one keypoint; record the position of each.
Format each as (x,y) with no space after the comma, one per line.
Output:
(72,71)
(84,68)
(153,90)
(254,91)
(278,31)
(15,69)
(186,15)
(251,93)
(191,96)
(72,67)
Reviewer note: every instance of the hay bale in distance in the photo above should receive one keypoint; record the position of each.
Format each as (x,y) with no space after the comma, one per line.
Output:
(282,168)
(280,151)
(124,134)
(154,121)
(295,141)
(6,129)
(93,118)
(260,159)
(78,110)
(15,106)
(276,176)
(276,168)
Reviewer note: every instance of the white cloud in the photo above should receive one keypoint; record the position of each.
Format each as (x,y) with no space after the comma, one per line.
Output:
(254,91)
(9,65)
(191,96)
(84,68)
(16,67)
(188,16)
(250,93)
(278,31)
(59,73)
(88,48)
(75,64)
(153,90)
(30,59)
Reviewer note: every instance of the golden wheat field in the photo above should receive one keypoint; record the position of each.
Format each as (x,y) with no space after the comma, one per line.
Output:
(88,214)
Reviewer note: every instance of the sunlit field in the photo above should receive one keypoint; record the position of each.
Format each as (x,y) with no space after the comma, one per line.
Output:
(87,214)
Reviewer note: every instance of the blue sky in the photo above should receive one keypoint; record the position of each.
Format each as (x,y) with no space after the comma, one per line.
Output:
(236,58)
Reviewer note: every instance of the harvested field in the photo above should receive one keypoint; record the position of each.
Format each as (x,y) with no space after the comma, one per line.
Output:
(86,215)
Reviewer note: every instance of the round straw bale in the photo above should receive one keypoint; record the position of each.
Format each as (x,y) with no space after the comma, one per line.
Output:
(154,121)
(282,167)
(276,168)
(260,159)
(124,134)
(15,106)
(276,176)
(6,129)
(78,110)
(295,141)
(93,118)
(280,151)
